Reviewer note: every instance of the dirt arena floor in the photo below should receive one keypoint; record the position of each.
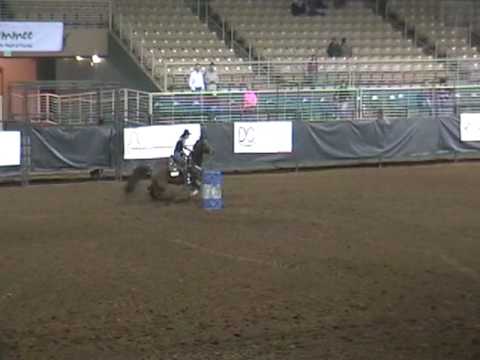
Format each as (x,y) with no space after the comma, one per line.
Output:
(361,264)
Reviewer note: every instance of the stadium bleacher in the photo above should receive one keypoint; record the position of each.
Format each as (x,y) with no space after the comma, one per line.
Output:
(89,13)
(277,35)
(166,32)
(447,25)
(168,37)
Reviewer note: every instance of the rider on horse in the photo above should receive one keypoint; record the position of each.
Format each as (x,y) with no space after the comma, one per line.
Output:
(182,158)
(179,154)
(190,165)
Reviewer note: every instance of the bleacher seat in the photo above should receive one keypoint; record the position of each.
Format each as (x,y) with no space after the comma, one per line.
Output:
(168,39)
(446,25)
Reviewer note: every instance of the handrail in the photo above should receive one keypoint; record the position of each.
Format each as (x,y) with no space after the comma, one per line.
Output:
(332,104)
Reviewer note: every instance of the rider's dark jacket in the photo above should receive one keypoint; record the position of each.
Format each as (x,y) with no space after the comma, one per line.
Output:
(180,146)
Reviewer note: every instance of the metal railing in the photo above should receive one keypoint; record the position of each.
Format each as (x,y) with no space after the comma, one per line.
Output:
(89,13)
(63,103)
(340,104)
(346,103)
(321,73)
(88,108)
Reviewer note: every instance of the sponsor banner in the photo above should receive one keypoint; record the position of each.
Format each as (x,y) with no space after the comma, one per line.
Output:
(31,36)
(10,148)
(470,127)
(263,137)
(154,142)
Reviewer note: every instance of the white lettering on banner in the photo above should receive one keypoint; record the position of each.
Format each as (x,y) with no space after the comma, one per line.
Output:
(10,148)
(470,127)
(31,36)
(155,142)
(263,137)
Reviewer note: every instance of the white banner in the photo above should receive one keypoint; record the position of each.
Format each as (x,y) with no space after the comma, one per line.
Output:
(154,142)
(470,127)
(263,137)
(10,148)
(31,36)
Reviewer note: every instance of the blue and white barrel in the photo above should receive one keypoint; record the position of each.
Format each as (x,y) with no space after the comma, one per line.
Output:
(212,185)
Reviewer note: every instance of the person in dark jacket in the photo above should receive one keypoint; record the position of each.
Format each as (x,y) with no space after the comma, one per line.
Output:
(179,151)
(298,7)
(346,49)
(334,49)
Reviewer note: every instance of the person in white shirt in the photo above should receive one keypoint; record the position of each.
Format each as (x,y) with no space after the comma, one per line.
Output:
(196,82)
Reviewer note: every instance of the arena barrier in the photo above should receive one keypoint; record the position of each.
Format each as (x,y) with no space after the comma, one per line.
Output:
(77,127)
(251,146)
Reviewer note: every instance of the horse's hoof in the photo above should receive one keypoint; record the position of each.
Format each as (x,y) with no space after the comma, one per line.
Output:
(194,193)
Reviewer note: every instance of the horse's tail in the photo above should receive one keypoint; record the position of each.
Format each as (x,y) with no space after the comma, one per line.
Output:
(139,173)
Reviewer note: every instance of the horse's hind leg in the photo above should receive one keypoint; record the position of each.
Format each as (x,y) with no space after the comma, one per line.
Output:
(140,172)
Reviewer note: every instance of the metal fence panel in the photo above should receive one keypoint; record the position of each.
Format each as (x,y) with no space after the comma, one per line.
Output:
(341,103)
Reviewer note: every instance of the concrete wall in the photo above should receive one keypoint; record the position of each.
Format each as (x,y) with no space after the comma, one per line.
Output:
(12,70)
(117,67)
(17,70)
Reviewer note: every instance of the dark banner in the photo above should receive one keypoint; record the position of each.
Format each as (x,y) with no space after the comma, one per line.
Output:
(55,148)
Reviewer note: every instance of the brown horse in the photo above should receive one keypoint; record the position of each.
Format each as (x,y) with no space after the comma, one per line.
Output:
(160,187)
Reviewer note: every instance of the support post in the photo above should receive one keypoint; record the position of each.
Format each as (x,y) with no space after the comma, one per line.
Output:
(359,102)
(110,15)
(26,144)
(119,126)
(150,108)
(165,77)
(98,107)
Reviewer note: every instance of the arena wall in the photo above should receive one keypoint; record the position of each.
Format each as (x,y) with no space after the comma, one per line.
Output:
(56,149)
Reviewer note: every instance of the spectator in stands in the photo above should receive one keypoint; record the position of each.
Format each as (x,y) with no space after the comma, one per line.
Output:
(319,4)
(346,49)
(211,78)
(312,71)
(298,7)
(444,97)
(314,7)
(196,81)
(249,100)
(334,49)
(339,3)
